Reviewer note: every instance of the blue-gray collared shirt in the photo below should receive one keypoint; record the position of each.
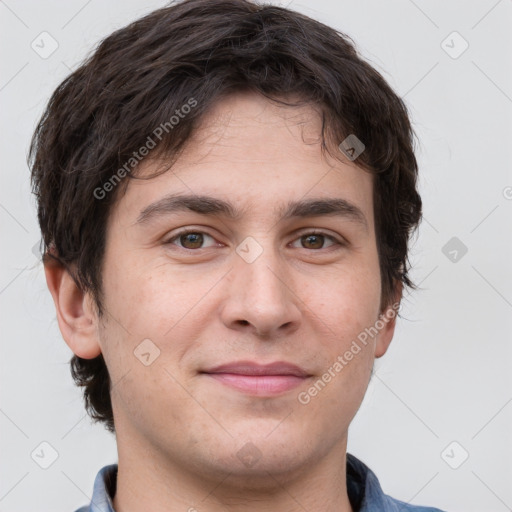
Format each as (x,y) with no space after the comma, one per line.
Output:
(364,491)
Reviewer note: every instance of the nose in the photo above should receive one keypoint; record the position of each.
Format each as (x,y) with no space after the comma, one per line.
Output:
(260,297)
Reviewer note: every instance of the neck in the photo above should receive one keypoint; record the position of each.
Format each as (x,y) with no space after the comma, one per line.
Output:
(147,480)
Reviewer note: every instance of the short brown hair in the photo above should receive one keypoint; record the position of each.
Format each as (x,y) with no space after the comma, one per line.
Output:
(139,77)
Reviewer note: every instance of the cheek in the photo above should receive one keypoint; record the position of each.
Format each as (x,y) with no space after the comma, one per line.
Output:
(343,311)
(346,303)
(150,297)
(153,309)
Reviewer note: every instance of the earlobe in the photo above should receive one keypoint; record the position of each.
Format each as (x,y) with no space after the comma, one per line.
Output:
(388,322)
(76,317)
(388,318)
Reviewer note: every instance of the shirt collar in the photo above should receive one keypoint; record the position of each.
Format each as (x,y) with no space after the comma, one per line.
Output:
(104,490)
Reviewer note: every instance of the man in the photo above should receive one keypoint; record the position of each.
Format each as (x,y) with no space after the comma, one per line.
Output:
(226,192)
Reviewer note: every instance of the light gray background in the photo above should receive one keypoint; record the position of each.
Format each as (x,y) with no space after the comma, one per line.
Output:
(447,374)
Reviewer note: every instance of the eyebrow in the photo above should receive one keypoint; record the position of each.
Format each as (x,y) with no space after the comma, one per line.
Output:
(208,205)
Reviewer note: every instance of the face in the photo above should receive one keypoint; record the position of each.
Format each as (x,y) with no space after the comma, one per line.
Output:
(229,322)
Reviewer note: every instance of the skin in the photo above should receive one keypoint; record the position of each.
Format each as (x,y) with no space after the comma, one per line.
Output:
(301,301)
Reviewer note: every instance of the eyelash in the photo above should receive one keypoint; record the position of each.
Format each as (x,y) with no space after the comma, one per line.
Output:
(197,231)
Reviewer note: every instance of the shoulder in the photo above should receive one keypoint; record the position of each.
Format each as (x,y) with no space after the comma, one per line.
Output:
(394,505)
(366,494)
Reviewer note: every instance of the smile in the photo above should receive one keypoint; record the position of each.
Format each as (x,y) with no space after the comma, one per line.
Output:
(259,384)
(257,379)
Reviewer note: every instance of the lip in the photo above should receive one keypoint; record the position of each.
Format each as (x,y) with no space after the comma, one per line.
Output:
(259,379)
(253,368)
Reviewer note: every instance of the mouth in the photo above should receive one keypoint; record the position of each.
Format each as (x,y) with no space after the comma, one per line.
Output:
(257,379)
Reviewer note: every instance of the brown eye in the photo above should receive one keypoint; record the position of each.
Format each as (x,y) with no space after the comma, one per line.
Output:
(191,240)
(316,241)
(312,241)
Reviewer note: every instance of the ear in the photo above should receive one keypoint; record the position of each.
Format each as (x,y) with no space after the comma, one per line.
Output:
(388,317)
(76,315)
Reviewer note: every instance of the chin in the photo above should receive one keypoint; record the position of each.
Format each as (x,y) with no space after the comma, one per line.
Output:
(260,453)
(266,469)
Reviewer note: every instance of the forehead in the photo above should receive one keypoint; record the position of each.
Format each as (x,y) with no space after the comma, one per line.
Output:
(253,152)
